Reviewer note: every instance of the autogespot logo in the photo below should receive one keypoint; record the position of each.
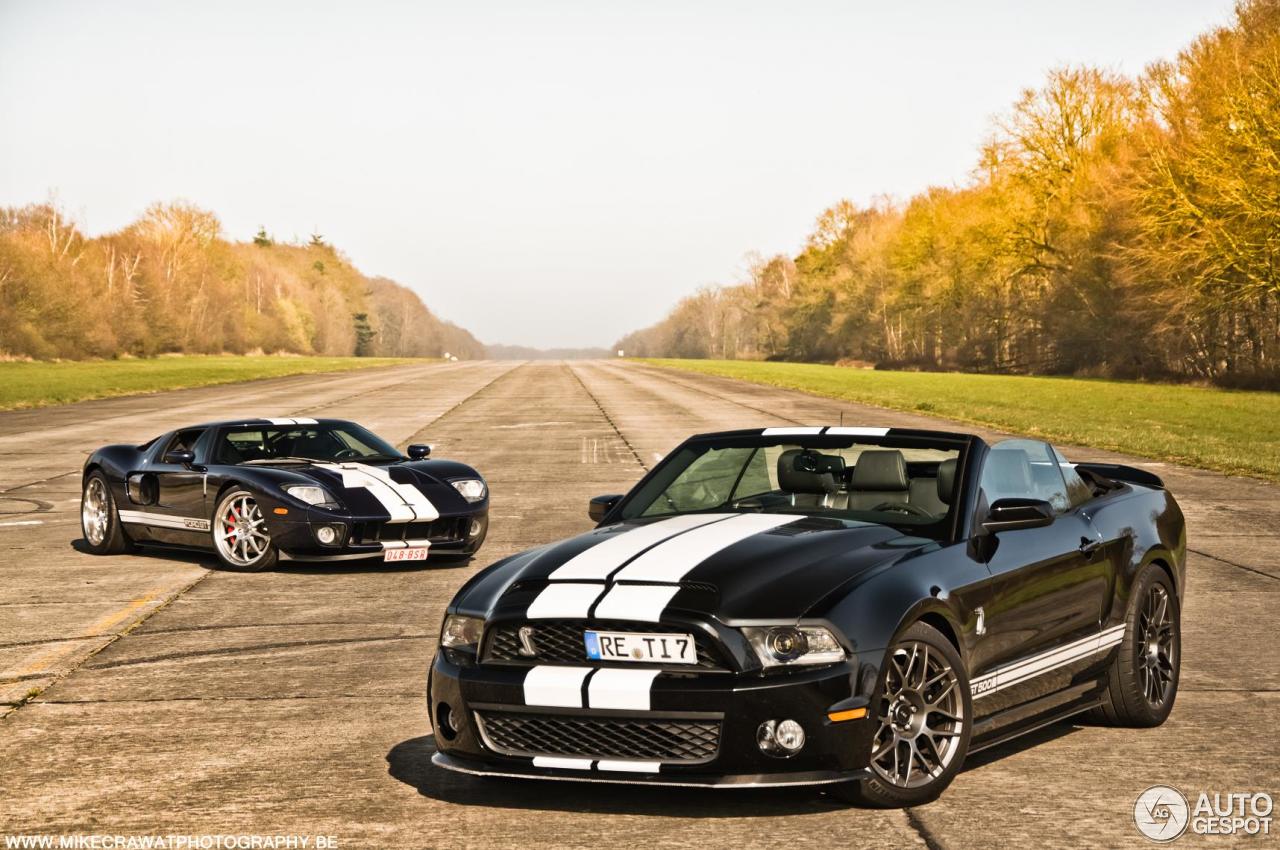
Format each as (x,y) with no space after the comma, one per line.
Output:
(1161,813)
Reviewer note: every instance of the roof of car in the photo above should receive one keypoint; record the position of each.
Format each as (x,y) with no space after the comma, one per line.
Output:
(836,431)
(267,420)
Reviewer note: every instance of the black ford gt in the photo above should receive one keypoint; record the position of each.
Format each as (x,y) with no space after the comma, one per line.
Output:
(260,490)
(859,607)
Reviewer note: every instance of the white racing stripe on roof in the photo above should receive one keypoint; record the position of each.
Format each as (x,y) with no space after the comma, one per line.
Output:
(852,431)
(550,685)
(603,558)
(788,432)
(291,421)
(564,600)
(673,560)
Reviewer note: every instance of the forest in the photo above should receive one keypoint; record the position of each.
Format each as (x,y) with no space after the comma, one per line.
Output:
(1112,226)
(171,282)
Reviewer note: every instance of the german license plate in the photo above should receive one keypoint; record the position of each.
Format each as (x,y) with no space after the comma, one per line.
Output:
(408,553)
(641,646)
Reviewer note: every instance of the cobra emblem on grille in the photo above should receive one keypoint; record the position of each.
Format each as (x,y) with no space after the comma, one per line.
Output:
(527,649)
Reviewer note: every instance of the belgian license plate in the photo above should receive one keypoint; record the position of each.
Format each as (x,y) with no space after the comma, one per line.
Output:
(408,553)
(641,646)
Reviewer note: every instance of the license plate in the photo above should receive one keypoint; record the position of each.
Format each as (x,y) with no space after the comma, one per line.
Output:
(641,646)
(409,553)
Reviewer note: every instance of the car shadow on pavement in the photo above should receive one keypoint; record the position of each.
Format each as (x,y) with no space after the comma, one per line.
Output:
(1030,740)
(410,762)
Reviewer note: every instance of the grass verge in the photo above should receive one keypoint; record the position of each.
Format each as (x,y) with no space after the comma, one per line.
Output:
(1225,430)
(39,384)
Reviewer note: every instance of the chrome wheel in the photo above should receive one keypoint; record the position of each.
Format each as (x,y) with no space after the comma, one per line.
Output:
(921,719)
(239,530)
(1156,647)
(95,511)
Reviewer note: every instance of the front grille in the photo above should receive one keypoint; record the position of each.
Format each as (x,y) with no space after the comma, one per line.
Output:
(665,740)
(446,529)
(564,642)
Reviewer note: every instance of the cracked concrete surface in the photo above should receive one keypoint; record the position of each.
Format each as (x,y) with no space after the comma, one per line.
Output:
(152,693)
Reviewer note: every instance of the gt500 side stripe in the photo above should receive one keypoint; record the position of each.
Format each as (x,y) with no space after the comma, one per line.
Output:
(1037,665)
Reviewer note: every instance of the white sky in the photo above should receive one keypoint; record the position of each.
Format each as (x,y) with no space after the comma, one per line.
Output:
(542,173)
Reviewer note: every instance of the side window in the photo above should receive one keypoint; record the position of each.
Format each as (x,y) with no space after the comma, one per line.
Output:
(1026,469)
(1078,492)
(183,441)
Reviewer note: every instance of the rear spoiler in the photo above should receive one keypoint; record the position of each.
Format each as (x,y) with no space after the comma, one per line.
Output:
(1119,472)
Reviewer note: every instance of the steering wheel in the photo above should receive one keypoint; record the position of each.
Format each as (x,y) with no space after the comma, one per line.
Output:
(904,508)
(345,454)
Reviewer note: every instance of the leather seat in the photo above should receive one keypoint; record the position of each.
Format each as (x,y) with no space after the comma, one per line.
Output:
(813,489)
(879,476)
(934,494)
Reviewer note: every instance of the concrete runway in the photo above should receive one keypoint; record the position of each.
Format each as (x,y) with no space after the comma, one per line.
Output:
(152,694)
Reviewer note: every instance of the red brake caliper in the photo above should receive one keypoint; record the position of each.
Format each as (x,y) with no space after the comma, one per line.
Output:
(231,518)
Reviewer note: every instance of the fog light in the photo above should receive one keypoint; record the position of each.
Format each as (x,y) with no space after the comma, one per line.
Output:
(326,535)
(476,527)
(781,738)
(448,722)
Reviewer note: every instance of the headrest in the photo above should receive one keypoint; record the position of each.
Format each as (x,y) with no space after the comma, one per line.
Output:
(946,480)
(796,481)
(880,469)
(1007,473)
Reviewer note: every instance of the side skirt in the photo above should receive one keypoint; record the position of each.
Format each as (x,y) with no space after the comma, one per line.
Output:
(1029,717)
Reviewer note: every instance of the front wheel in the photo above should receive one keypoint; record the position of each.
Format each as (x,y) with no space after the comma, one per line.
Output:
(925,713)
(240,534)
(1143,680)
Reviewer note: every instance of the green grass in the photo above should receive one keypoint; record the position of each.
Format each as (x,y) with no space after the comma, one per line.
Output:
(1225,430)
(39,384)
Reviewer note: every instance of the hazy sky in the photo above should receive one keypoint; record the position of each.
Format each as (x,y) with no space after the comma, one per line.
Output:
(542,173)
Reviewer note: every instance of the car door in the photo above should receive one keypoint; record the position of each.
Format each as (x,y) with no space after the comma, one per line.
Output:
(1048,585)
(180,487)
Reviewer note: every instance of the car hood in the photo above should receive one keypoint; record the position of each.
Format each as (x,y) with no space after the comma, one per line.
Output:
(355,484)
(769,574)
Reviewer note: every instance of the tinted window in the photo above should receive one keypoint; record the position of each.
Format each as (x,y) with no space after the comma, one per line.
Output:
(331,443)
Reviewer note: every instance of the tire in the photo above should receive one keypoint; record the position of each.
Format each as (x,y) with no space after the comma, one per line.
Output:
(1142,682)
(919,656)
(239,533)
(104,534)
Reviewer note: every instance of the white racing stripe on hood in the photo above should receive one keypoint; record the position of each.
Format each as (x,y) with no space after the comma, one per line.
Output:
(403,502)
(673,560)
(603,558)
(642,602)
(564,600)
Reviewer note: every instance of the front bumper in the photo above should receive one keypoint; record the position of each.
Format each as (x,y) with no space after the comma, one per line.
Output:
(739,703)
(295,536)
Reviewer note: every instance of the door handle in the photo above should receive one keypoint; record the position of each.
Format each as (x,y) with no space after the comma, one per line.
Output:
(1088,547)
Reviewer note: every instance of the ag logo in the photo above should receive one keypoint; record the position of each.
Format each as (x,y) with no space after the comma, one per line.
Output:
(1161,813)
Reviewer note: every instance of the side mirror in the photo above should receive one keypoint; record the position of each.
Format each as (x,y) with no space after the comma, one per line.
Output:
(419,450)
(601,505)
(181,457)
(1013,514)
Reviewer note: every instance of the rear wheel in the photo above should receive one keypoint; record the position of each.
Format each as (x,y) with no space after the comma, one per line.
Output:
(925,719)
(99,519)
(1143,680)
(240,534)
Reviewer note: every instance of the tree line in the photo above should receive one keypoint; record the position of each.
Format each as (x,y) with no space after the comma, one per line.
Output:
(171,282)
(1113,226)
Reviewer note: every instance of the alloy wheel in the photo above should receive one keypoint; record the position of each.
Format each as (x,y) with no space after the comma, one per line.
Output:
(239,530)
(95,511)
(1156,646)
(921,719)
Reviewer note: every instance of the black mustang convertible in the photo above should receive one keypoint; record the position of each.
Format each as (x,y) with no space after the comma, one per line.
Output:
(858,607)
(260,490)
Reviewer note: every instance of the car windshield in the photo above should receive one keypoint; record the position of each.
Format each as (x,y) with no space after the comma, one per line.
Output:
(334,442)
(902,481)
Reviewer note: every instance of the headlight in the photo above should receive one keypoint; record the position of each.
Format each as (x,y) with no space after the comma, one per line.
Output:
(781,646)
(472,489)
(312,495)
(461,632)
